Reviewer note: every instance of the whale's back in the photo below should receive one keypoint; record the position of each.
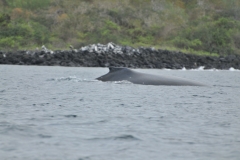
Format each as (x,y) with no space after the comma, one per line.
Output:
(120,74)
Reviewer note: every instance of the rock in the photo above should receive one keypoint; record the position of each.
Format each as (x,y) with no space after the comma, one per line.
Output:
(100,55)
(45,50)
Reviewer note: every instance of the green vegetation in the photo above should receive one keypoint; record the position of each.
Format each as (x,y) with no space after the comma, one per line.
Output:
(209,27)
(27,4)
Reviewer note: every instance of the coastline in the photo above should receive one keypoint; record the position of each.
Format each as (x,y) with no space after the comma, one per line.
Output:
(98,55)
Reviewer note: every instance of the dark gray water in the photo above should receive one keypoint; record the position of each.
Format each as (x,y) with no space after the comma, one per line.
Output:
(59,113)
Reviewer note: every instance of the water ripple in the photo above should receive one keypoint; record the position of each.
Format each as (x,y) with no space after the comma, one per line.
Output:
(126,137)
(47,114)
(71,116)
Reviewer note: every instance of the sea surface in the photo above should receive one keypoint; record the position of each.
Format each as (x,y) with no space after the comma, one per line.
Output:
(63,113)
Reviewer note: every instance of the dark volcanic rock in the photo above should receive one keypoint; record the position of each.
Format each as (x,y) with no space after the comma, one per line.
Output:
(98,55)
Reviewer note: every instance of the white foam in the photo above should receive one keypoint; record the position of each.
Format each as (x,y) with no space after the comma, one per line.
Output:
(213,69)
(184,69)
(73,79)
(233,69)
(201,68)
(70,78)
(166,69)
(67,78)
(122,82)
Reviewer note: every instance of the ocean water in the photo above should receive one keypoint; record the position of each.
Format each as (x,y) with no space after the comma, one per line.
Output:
(63,113)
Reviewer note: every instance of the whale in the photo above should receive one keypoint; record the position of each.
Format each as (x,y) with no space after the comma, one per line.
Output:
(126,74)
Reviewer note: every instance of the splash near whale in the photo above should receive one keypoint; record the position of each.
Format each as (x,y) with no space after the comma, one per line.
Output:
(126,74)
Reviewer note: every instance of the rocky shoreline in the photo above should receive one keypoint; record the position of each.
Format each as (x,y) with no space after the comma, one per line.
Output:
(99,55)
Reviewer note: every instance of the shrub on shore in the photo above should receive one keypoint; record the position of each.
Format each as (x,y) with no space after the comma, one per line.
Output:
(217,36)
(204,26)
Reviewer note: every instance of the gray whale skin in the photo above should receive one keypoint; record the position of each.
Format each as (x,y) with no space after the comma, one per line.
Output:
(120,74)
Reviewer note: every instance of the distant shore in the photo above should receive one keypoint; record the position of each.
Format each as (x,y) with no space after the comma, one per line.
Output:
(99,55)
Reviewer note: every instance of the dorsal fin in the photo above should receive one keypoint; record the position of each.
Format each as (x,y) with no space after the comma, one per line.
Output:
(113,69)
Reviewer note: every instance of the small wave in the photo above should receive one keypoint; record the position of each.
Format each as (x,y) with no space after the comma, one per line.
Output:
(88,123)
(71,116)
(87,80)
(201,96)
(233,69)
(10,128)
(202,68)
(126,137)
(226,86)
(213,69)
(1,91)
(84,158)
(121,137)
(44,136)
(167,69)
(71,78)
(183,69)
(116,82)
(122,82)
